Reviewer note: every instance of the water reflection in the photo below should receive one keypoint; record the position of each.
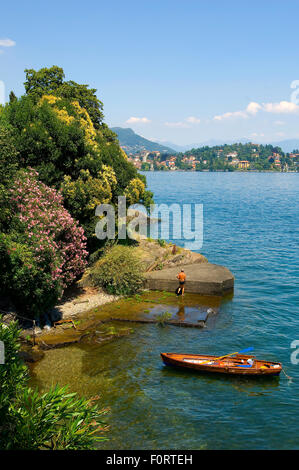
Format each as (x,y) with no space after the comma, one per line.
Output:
(253,386)
(181,313)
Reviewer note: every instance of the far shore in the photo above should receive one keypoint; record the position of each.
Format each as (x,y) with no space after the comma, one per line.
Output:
(217,171)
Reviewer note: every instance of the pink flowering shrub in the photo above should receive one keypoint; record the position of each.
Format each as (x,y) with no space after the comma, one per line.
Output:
(46,248)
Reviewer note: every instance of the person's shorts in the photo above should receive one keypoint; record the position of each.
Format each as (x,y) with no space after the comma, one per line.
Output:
(182,283)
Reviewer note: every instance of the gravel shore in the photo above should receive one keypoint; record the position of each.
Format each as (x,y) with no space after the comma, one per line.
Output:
(81,300)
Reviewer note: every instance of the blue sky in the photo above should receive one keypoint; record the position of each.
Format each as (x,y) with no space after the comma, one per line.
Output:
(174,70)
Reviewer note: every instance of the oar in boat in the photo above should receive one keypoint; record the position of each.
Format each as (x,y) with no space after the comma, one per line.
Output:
(232,354)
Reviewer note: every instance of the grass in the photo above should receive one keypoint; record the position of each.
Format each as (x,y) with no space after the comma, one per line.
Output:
(162,318)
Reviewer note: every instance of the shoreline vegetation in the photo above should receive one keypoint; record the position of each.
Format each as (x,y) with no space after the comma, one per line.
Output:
(236,157)
(58,162)
(88,292)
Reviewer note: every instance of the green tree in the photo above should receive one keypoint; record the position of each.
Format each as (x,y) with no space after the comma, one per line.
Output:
(58,130)
(8,168)
(12,97)
(8,154)
(43,81)
(48,81)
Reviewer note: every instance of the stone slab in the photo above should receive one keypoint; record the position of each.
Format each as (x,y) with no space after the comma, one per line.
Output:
(202,278)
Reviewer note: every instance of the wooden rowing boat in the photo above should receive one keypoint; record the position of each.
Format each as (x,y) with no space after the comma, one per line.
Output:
(236,365)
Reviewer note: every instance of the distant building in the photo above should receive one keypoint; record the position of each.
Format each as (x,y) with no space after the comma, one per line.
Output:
(231,155)
(234,162)
(243,164)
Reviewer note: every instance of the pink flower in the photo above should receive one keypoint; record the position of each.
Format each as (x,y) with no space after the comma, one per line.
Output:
(50,229)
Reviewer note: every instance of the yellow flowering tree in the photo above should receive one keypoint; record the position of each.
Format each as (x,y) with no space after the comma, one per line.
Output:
(85,193)
(59,131)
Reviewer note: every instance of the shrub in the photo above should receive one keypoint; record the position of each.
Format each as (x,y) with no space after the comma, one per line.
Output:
(55,420)
(44,251)
(119,271)
(27,280)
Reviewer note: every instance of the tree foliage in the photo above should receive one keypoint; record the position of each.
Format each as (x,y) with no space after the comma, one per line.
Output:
(59,137)
(56,130)
(44,250)
(119,271)
(47,81)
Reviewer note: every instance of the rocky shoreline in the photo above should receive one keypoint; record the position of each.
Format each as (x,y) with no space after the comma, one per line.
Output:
(69,321)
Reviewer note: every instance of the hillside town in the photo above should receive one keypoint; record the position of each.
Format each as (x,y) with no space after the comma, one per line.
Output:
(236,157)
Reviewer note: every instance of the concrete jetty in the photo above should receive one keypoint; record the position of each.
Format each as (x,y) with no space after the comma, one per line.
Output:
(202,278)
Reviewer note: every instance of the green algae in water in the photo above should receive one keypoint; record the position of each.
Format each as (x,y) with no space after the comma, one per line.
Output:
(124,372)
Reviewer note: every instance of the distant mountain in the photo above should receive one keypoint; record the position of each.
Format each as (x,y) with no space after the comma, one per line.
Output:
(207,143)
(133,143)
(177,148)
(287,145)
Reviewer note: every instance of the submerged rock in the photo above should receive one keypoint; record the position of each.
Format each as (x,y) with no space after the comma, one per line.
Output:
(31,355)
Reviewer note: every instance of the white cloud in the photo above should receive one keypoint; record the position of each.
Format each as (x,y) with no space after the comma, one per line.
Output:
(279,123)
(193,120)
(253,107)
(284,107)
(233,114)
(256,134)
(7,43)
(137,120)
(180,124)
(184,124)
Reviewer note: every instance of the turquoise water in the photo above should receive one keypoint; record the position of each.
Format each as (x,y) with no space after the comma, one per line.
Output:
(250,226)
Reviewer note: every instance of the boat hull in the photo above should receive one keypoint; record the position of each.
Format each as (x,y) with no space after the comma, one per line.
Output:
(229,366)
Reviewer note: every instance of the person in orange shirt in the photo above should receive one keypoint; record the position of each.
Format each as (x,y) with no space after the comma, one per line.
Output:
(182,278)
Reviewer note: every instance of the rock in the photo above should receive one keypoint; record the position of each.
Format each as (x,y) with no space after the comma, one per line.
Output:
(202,278)
(32,355)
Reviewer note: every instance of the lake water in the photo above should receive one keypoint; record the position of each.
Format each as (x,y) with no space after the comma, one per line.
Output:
(250,226)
